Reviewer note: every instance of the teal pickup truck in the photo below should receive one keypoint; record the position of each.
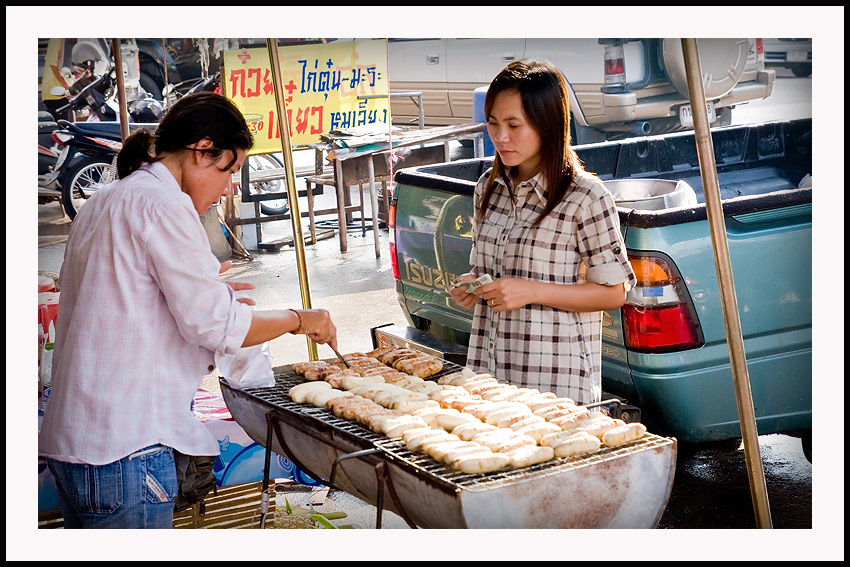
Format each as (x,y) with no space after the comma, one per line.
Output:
(665,350)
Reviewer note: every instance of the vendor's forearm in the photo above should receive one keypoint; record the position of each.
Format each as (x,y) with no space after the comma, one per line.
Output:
(580,297)
(270,324)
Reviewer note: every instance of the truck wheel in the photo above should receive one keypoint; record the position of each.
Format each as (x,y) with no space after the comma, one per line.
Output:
(150,85)
(802,70)
(585,134)
(806,438)
(82,180)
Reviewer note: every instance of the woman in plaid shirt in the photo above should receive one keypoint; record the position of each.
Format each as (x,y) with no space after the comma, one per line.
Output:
(548,233)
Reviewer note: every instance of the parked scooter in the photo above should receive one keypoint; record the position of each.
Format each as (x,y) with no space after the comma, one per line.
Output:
(48,152)
(85,152)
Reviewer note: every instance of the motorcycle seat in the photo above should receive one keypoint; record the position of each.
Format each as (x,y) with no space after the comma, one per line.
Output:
(104,129)
(45,119)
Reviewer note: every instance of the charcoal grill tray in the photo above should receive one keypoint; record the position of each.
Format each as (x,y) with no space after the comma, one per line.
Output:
(430,494)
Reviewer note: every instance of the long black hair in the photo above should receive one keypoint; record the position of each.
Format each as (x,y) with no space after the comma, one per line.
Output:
(192,118)
(545,102)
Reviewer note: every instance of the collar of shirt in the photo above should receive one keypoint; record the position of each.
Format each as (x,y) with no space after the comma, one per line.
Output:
(520,193)
(162,173)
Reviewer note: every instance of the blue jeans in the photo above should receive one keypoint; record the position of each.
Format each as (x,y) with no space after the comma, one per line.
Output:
(135,492)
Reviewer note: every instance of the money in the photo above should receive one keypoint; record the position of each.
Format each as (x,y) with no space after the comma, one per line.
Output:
(471,286)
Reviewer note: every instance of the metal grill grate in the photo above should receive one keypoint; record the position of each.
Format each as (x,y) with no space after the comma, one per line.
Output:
(395,449)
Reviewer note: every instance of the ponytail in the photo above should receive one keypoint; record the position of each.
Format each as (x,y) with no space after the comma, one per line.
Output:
(137,150)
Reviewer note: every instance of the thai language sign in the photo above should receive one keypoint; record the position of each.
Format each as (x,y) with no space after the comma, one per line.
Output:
(322,86)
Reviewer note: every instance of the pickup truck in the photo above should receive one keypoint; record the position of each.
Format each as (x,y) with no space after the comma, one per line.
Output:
(619,87)
(665,350)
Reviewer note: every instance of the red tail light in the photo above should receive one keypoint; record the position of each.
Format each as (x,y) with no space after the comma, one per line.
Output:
(658,315)
(759,45)
(394,261)
(391,227)
(652,329)
(614,66)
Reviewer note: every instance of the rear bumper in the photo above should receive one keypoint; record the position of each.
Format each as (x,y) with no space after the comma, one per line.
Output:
(699,404)
(603,109)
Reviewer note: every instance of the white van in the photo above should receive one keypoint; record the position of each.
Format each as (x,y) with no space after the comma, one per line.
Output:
(618,87)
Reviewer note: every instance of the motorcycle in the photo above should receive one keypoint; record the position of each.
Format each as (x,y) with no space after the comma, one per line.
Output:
(48,151)
(82,157)
(85,152)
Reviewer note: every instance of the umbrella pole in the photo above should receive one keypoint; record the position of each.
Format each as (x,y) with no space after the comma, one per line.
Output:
(734,337)
(122,94)
(295,213)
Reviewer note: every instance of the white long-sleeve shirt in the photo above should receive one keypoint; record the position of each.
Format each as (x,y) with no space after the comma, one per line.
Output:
(142,312)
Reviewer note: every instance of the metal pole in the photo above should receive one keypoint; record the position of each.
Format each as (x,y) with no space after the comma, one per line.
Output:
(122,94)
(373,195)
(734,337)
(295,213)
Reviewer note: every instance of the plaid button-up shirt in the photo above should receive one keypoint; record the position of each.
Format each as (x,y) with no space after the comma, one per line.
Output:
(579,241)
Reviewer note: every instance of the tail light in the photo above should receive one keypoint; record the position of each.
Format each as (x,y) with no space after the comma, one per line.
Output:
(658,315)
(759,50)
(614,66)
(391,227)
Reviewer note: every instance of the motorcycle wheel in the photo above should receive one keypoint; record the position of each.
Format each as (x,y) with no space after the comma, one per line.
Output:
(272,206)
(82,180)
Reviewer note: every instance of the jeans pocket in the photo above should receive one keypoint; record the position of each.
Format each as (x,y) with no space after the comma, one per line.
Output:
(160,476)
(96,489)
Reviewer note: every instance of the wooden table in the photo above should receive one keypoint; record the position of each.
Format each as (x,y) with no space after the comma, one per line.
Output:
(361,164)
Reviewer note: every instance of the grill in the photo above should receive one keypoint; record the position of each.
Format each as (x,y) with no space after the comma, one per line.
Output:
(620,487)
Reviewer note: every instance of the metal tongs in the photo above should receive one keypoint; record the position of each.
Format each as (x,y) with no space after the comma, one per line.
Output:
(345,362)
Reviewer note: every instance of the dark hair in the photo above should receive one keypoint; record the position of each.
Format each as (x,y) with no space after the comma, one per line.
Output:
(192,118)
(545,102)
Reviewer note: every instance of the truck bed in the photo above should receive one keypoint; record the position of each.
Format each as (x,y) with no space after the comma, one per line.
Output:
(764,172)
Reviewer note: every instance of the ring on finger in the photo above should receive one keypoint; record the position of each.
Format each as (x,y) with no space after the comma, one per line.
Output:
(492,303)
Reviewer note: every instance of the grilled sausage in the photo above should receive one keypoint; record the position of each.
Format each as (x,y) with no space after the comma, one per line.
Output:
(599,427)
(538,430)
(415,439)
(467,431)
(438,451)
(482,464)
(320,398)
(623,434)
(528,455)
(450,420)
(299,392)
(472,449)
(577,444)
